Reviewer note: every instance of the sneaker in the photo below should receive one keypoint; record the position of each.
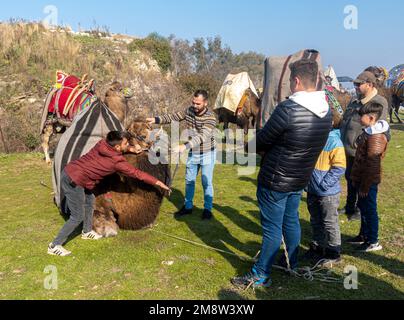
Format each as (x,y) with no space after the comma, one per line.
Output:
(354,216)
(369,247)
(207,215)
(315,253)
(92,235)
(251,279)
(357,240)
(330,259)
(183,212)
(58,251)
(343,211)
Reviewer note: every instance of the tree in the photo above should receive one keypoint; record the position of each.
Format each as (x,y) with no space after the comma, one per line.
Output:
(157,46)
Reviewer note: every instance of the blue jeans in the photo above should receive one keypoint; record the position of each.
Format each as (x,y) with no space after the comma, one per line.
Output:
(206,163)
(369,216)
(279,217)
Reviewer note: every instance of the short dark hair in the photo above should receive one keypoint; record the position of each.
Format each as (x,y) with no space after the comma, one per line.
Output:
(115,138)
(202,93)
(306,70)
(372,108)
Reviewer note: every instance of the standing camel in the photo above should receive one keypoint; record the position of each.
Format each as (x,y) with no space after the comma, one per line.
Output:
(116,98)
(246,116)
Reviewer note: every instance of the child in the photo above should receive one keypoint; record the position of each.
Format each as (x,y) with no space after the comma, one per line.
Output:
(323,198)
(366,172)
(81,176)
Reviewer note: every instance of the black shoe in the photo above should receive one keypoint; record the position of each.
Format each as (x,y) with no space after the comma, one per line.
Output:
(315,253)
(354,216)
(358,240)
(207,215)
(330,259)
(183,212)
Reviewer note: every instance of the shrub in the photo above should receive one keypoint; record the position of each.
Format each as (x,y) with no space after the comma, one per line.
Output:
(193,82)
(157,46)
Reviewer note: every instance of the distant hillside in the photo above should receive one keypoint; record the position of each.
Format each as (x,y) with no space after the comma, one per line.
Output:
(30,56)
(163,72)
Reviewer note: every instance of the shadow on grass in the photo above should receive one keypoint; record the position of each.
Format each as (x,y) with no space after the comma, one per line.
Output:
(394,266)
(249,179)
(398,126)
(213,233)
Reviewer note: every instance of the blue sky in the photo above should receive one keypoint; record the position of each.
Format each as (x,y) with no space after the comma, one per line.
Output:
(265,26)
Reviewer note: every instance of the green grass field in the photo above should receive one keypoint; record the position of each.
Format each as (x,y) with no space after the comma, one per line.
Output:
(149,265)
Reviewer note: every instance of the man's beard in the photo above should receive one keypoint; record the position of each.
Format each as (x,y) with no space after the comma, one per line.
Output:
(360,94)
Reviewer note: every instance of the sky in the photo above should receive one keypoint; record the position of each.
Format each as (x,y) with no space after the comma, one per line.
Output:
(264,26)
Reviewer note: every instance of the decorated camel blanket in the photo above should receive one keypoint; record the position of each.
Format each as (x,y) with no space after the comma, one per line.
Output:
(68,96)
(233,91)
(276,81)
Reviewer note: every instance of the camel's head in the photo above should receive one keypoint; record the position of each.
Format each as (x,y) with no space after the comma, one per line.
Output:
(141,134)
(380,73)
(116,90)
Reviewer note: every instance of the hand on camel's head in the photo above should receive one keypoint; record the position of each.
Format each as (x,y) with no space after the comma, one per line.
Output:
(140,132)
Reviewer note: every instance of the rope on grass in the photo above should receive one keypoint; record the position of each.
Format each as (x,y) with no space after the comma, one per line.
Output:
(248,259)
(317,272)
(307,273)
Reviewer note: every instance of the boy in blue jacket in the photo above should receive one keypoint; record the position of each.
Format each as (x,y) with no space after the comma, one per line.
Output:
(323,199)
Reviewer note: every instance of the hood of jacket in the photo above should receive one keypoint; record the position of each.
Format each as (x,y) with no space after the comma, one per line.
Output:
(315,102)
(380,127)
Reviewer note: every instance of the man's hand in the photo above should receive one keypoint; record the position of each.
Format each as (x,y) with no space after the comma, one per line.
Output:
(151,120)
(163,186)
(136,149)
(180,149)
(363,194)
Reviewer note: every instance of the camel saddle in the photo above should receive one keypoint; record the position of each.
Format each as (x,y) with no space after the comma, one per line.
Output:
(67,97)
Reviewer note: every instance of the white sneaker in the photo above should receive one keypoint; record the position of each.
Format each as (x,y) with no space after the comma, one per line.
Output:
(91,236)
(58,251)
(367,247)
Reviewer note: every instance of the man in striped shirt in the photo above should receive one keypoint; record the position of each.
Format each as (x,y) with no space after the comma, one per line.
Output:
(201,124)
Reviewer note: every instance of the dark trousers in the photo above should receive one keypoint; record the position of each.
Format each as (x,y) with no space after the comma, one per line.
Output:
(80,204)
(324,221)
(369,216)
(352,197)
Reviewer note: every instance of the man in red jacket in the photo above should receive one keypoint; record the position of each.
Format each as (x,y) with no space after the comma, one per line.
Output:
(80,177)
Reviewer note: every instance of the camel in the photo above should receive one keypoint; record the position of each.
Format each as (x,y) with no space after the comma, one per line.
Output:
(116,98)
(128,204)
(246,116)
(391,94)
(344,98)
(397,101)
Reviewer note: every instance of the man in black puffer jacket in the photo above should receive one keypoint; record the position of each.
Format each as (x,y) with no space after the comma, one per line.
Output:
(291,142)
